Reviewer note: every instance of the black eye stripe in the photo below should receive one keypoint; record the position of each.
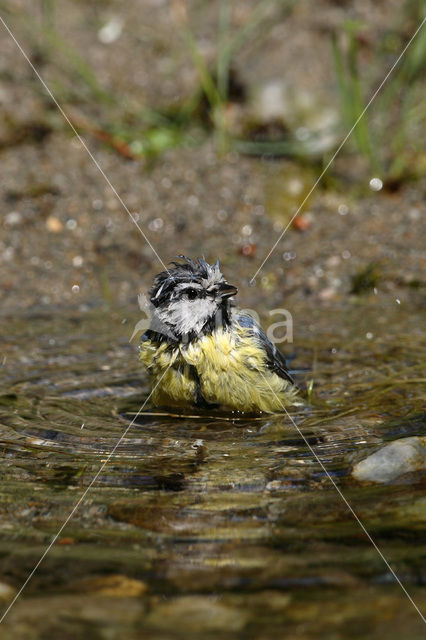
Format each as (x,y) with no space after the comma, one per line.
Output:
(191,293)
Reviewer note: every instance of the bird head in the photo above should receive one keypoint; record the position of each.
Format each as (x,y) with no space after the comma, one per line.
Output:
(191,299)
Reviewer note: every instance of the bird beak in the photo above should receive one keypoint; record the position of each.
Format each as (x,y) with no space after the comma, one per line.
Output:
(227,290)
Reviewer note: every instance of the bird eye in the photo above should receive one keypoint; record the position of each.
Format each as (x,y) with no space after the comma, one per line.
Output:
(191,293)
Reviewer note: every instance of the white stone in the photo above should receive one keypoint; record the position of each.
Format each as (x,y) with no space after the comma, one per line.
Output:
(393,460)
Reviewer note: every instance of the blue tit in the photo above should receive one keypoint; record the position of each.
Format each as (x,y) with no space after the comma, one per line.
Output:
(201,351)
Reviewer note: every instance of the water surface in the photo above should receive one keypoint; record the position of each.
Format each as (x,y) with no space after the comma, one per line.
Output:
(213,524)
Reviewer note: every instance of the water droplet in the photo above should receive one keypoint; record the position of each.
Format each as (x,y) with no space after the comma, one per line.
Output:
(8,253)
(376,184)
(77,261)
(71,224)
(294,186)
(156,225)
(111,30)
(13,218)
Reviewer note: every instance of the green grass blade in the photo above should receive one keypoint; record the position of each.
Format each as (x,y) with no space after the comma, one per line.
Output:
(206,79)
(342,81)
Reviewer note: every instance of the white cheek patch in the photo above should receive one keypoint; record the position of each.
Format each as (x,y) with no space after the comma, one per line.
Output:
(189,315)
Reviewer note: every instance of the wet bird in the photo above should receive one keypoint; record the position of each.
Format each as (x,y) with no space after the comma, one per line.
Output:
(201,351)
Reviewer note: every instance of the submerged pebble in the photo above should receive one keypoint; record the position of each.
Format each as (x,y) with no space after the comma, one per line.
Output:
(115,585)
(7,592)
(195,613)
(407,455)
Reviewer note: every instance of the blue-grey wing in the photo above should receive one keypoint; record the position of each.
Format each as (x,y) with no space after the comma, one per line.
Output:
(276,361)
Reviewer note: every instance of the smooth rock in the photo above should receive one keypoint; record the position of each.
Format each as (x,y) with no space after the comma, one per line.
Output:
(407,455)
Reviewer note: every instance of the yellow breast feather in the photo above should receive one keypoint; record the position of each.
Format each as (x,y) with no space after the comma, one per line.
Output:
(226,367)
(171,381)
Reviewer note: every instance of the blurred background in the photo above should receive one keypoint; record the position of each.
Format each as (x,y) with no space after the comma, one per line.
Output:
(212,120)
